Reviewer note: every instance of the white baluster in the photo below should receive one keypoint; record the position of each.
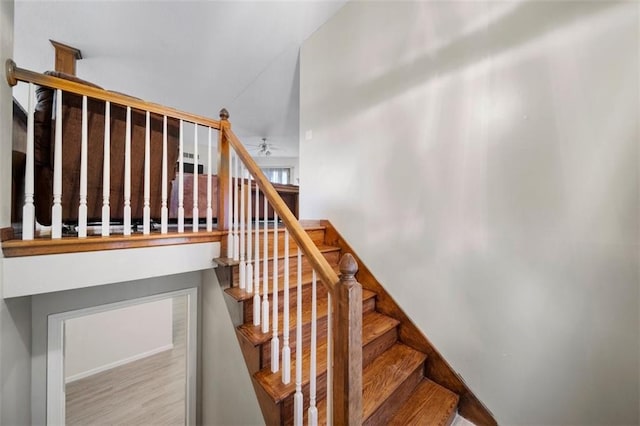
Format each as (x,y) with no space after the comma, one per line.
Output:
(229,207)
(82,208)
(146,209)
(265,273)
(275,341)
(242,236)
(56,210)
(196,213)
(28,209)
(181,179)
(298,398)
(286,350)
(209,208)
(256,265)
(249,265)
(236,234)
(313,411)
(329,362)
(164,221)
(127,175)
(106,171)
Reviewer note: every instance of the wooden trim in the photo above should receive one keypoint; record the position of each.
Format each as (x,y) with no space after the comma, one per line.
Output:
(15,74)
(77,54)
(436,367)
(6,234)
(318,262)
(43,246)
(65,58)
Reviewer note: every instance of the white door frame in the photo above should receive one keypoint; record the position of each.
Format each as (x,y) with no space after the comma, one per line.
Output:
(55,352)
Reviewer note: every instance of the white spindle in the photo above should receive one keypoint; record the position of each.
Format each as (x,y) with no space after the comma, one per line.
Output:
(106,171)
(329,398)
(209,209)
(286,350)
(56,209)
(196,213)
(181,179)
(164,221)
(146,210)
(127,175)
(313,411)
(236,235)
(275,341)
(229,208)
(265,272)
(298,398)
(242,236)
(256,265)
(249,218)
(82,208)
(28,209)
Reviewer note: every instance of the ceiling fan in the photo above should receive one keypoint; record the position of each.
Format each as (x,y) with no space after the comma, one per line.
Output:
(264,148)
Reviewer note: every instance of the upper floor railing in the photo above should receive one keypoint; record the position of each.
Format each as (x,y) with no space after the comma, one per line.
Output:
(114,154)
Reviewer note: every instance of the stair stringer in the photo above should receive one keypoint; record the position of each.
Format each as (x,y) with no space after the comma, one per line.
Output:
(436,368)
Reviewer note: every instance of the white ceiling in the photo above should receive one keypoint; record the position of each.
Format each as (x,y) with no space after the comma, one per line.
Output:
(196,56)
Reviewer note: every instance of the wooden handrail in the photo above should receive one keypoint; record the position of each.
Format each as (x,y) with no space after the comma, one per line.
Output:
(15,74)
(316,259)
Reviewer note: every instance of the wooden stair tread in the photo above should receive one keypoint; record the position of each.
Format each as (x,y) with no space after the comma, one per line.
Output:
(293,252)
(254,334)
(381,378)
(429,404)
(241,294)
(374,324)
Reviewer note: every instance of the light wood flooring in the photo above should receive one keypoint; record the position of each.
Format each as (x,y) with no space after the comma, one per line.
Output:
(150,391)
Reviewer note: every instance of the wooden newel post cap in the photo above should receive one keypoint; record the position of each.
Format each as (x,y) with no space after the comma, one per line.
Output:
(224,114)
(348,267)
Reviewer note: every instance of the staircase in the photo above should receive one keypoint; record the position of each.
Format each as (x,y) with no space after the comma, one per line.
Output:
(396,389)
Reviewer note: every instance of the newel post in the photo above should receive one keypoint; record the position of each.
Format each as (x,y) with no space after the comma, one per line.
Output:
(223,172)
(347,348)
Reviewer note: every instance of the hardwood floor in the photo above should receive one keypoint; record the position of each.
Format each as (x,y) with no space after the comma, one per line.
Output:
(150,391)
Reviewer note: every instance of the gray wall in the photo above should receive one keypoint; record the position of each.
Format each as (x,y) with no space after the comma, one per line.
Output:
(228,397)
(15,314)
(482,158)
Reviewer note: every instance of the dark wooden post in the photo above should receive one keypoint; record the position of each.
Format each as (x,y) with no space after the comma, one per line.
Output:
(347,348)
(66,57)
(223,175)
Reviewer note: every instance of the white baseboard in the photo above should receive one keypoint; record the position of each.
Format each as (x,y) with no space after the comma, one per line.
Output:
(118,363)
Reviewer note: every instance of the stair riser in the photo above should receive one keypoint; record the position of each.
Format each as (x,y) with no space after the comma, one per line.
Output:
(394,401)
(321,336)
(316,235)
(293,295)
(378,346)
(286,406)
(333,257)
(367,305)
(369,351)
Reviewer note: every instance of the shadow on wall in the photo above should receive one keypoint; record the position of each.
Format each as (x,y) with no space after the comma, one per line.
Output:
(511,240)
(526,22)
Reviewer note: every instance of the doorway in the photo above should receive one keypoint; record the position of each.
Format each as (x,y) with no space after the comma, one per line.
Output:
(131,362)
